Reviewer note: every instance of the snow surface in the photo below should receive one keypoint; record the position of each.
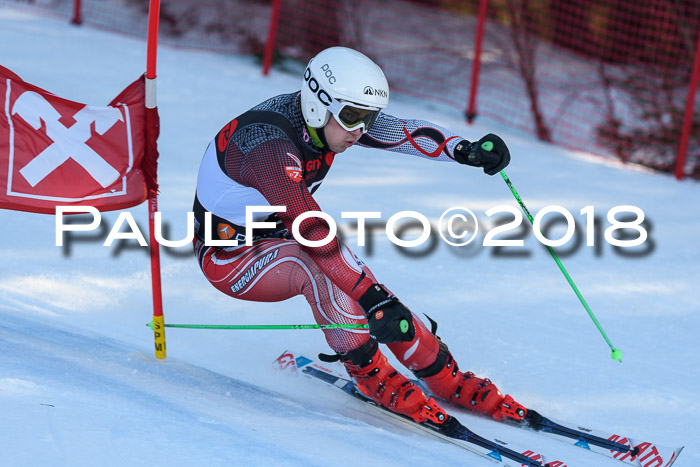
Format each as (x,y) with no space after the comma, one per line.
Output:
(79,384)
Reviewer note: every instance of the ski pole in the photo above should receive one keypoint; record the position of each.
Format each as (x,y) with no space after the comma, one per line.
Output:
(264,326)
(616,354)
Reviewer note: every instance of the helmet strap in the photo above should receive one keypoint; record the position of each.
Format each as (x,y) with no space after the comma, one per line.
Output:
(318,140)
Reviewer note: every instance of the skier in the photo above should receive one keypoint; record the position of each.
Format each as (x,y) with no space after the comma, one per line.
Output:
(277,154)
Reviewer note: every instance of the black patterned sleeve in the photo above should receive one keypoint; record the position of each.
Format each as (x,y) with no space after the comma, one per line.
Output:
(414,137)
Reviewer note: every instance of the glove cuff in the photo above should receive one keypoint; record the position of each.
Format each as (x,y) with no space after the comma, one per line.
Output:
(461,152)
(374,298)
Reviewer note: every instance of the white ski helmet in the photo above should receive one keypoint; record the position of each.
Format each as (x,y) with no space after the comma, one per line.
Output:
(346,84)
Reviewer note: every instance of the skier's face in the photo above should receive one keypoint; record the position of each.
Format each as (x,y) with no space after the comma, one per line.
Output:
(338,138)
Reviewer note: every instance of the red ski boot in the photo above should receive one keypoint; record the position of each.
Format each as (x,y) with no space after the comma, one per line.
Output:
(378,380)
(480,395)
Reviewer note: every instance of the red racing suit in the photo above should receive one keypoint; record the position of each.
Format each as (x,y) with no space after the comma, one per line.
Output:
(266,157)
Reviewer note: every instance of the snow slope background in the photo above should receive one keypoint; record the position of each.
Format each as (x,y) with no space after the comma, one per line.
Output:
(79,384)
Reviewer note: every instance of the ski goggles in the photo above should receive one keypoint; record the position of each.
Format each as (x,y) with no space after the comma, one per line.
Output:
(351,117)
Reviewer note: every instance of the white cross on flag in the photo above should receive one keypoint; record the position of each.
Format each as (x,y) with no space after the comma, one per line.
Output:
(56,152)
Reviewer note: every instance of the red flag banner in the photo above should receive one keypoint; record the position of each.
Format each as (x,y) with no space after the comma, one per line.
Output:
(56,152)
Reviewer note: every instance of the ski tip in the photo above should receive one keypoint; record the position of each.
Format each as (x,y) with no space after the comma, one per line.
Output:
(674,457)
(150,325)
(616,354)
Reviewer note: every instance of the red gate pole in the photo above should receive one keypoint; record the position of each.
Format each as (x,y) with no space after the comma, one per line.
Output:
(271,34)
(77,16)
(471,110)
(688,117)
(153,126)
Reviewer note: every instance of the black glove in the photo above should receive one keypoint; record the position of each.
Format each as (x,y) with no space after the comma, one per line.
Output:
(490,152)
(389,321)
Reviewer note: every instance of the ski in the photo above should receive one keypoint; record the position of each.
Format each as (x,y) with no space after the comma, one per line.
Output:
(623,448)
(631,451)
(451,430)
